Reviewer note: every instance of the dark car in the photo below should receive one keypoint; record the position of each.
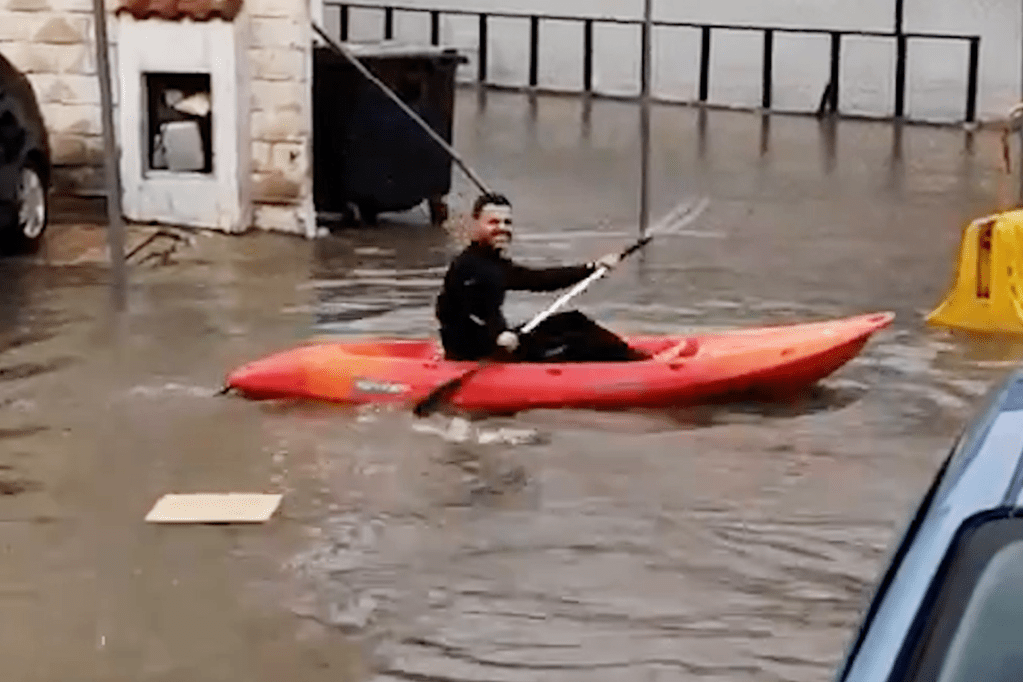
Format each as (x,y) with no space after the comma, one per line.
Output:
(949,607)
(24,164)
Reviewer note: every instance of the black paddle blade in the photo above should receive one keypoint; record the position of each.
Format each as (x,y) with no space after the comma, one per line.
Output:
(443,393)
(635,247)
(438,397)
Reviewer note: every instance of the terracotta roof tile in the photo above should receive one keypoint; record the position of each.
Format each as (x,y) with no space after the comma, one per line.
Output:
(197,10)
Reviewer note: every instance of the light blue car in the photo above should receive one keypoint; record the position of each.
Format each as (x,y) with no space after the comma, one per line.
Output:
(949,608)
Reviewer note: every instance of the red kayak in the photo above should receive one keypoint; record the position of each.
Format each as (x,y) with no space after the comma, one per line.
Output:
(684,370)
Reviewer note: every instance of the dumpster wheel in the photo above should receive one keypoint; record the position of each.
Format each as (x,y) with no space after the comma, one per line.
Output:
(438,210)
(368,213)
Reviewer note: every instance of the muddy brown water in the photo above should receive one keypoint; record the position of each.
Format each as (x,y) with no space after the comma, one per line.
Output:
(724,543)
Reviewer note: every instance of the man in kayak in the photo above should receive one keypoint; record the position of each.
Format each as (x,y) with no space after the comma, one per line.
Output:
(472,326)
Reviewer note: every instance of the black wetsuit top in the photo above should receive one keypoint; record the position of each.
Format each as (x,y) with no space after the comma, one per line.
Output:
(469,305)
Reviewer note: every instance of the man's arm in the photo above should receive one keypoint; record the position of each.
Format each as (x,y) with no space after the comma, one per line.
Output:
(522,278)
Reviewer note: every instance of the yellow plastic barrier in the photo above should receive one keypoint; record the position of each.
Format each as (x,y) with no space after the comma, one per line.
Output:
(988,288)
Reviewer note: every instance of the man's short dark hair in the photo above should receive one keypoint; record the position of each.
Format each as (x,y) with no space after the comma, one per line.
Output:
(489,199)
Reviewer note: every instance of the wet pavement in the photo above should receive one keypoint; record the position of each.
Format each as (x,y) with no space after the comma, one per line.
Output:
(728,543)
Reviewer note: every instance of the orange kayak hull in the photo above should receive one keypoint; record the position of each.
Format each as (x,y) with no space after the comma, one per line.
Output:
(685,370)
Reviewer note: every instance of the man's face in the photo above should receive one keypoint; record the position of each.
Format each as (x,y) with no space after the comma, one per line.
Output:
(494,226)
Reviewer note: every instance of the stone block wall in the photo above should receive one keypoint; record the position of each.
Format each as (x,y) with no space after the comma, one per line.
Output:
(51,41)
(280,64)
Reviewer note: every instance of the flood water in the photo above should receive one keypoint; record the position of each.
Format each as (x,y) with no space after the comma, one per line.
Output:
(728,543)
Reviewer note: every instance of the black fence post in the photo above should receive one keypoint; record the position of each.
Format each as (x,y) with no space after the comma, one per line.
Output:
(588,55)
(344,22)
(900,75)
(481,64)
(388,23)
(534,50)
(836,60)
(434,27)
(704,62)
(765,97)
(971,84)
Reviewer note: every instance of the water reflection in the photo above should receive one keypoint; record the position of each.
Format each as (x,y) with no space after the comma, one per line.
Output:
(586,119)
(14,298)
(828,130)
(896,168)
(765,134)
(982,348)
(391,271)
(701,134)
(812,400)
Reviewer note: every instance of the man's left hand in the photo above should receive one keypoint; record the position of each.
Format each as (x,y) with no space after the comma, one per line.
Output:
(508,340)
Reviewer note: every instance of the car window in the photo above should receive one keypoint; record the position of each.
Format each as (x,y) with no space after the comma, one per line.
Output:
(987,645)
(971,626)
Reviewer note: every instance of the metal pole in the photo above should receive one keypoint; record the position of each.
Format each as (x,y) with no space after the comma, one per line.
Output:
(115,217)
(644,119)
(900,60)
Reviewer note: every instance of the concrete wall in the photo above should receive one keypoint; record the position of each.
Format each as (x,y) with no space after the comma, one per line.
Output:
(51,40)
(936,73)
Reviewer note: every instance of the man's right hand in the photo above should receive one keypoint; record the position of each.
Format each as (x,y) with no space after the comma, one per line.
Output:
(508,340)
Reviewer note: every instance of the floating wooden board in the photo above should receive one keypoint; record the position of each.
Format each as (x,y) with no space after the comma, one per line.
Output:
(214,508)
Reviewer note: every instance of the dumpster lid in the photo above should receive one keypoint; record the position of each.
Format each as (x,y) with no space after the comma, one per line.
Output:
(393,48)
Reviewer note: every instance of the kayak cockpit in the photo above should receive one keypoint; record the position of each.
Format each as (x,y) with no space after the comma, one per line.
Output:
(431,351)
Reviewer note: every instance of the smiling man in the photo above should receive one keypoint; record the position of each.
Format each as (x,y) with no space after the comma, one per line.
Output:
(472,325)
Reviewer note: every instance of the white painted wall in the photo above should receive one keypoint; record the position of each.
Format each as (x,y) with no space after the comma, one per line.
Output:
(936,73)
(219,200)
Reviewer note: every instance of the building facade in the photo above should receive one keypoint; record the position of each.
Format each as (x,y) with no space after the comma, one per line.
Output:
(213,97)
(231,151)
